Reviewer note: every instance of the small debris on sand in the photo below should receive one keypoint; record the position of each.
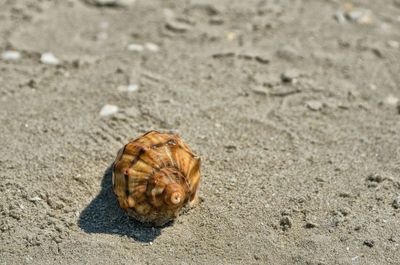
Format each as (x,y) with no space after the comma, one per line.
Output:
(177,26)
(135,47)
(49,58)
(290,75)
(355,15)
(260,90)
(310,224)
(396,203)
(286,223)
(11,55)
(314,105)
(152,47)
(369,243)
(108,110)
(128,88)
(376,178)
(35,199)
(391,100)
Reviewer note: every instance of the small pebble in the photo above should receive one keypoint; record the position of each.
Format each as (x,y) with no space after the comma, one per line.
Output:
(391,100)
(135,47)
(311,225)
(260,90)
(314,105)
(360,16)
(152,47)
(176,26)
(49,58)
(376,178)
(354,15)
(10,55)
(230,36)
(369,243)
(286,222)
(367,18)
(128,88)
(132,88)
(396,203)
(289,75)
(108,110)
(35,199)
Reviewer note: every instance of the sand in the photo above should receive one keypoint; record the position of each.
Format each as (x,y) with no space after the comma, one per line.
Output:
(291,105)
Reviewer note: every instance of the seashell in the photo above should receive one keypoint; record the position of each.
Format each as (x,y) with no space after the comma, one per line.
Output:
(155,177)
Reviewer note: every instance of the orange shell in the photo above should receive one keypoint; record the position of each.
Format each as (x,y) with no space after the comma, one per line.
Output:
(155,176)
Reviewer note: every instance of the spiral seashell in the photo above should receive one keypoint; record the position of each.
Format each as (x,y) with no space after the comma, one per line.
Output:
(155,176)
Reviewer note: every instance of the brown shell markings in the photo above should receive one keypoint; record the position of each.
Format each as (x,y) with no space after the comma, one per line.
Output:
(155,176)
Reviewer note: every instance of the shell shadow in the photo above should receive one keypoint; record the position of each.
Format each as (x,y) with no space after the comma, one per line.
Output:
(103,215)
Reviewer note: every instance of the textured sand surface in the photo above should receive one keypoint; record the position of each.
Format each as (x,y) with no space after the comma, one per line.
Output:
(292,106)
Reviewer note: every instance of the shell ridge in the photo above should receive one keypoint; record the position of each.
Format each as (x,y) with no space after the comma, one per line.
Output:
(169,153)
(136,159)
(126,185)
(120,153)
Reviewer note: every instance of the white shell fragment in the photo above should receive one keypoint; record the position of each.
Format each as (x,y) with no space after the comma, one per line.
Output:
(128,88)
(108,110)
(391,100)
(35,199)
(135,47)
(11,55)
(49,58)
(152,47)
(314,105)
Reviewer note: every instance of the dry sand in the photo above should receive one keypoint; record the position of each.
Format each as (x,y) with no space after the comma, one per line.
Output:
(292,106)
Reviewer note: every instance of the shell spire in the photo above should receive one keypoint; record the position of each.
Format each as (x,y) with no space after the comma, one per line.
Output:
(174,194)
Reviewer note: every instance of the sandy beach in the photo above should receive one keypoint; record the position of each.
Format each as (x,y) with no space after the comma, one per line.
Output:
(293,107)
